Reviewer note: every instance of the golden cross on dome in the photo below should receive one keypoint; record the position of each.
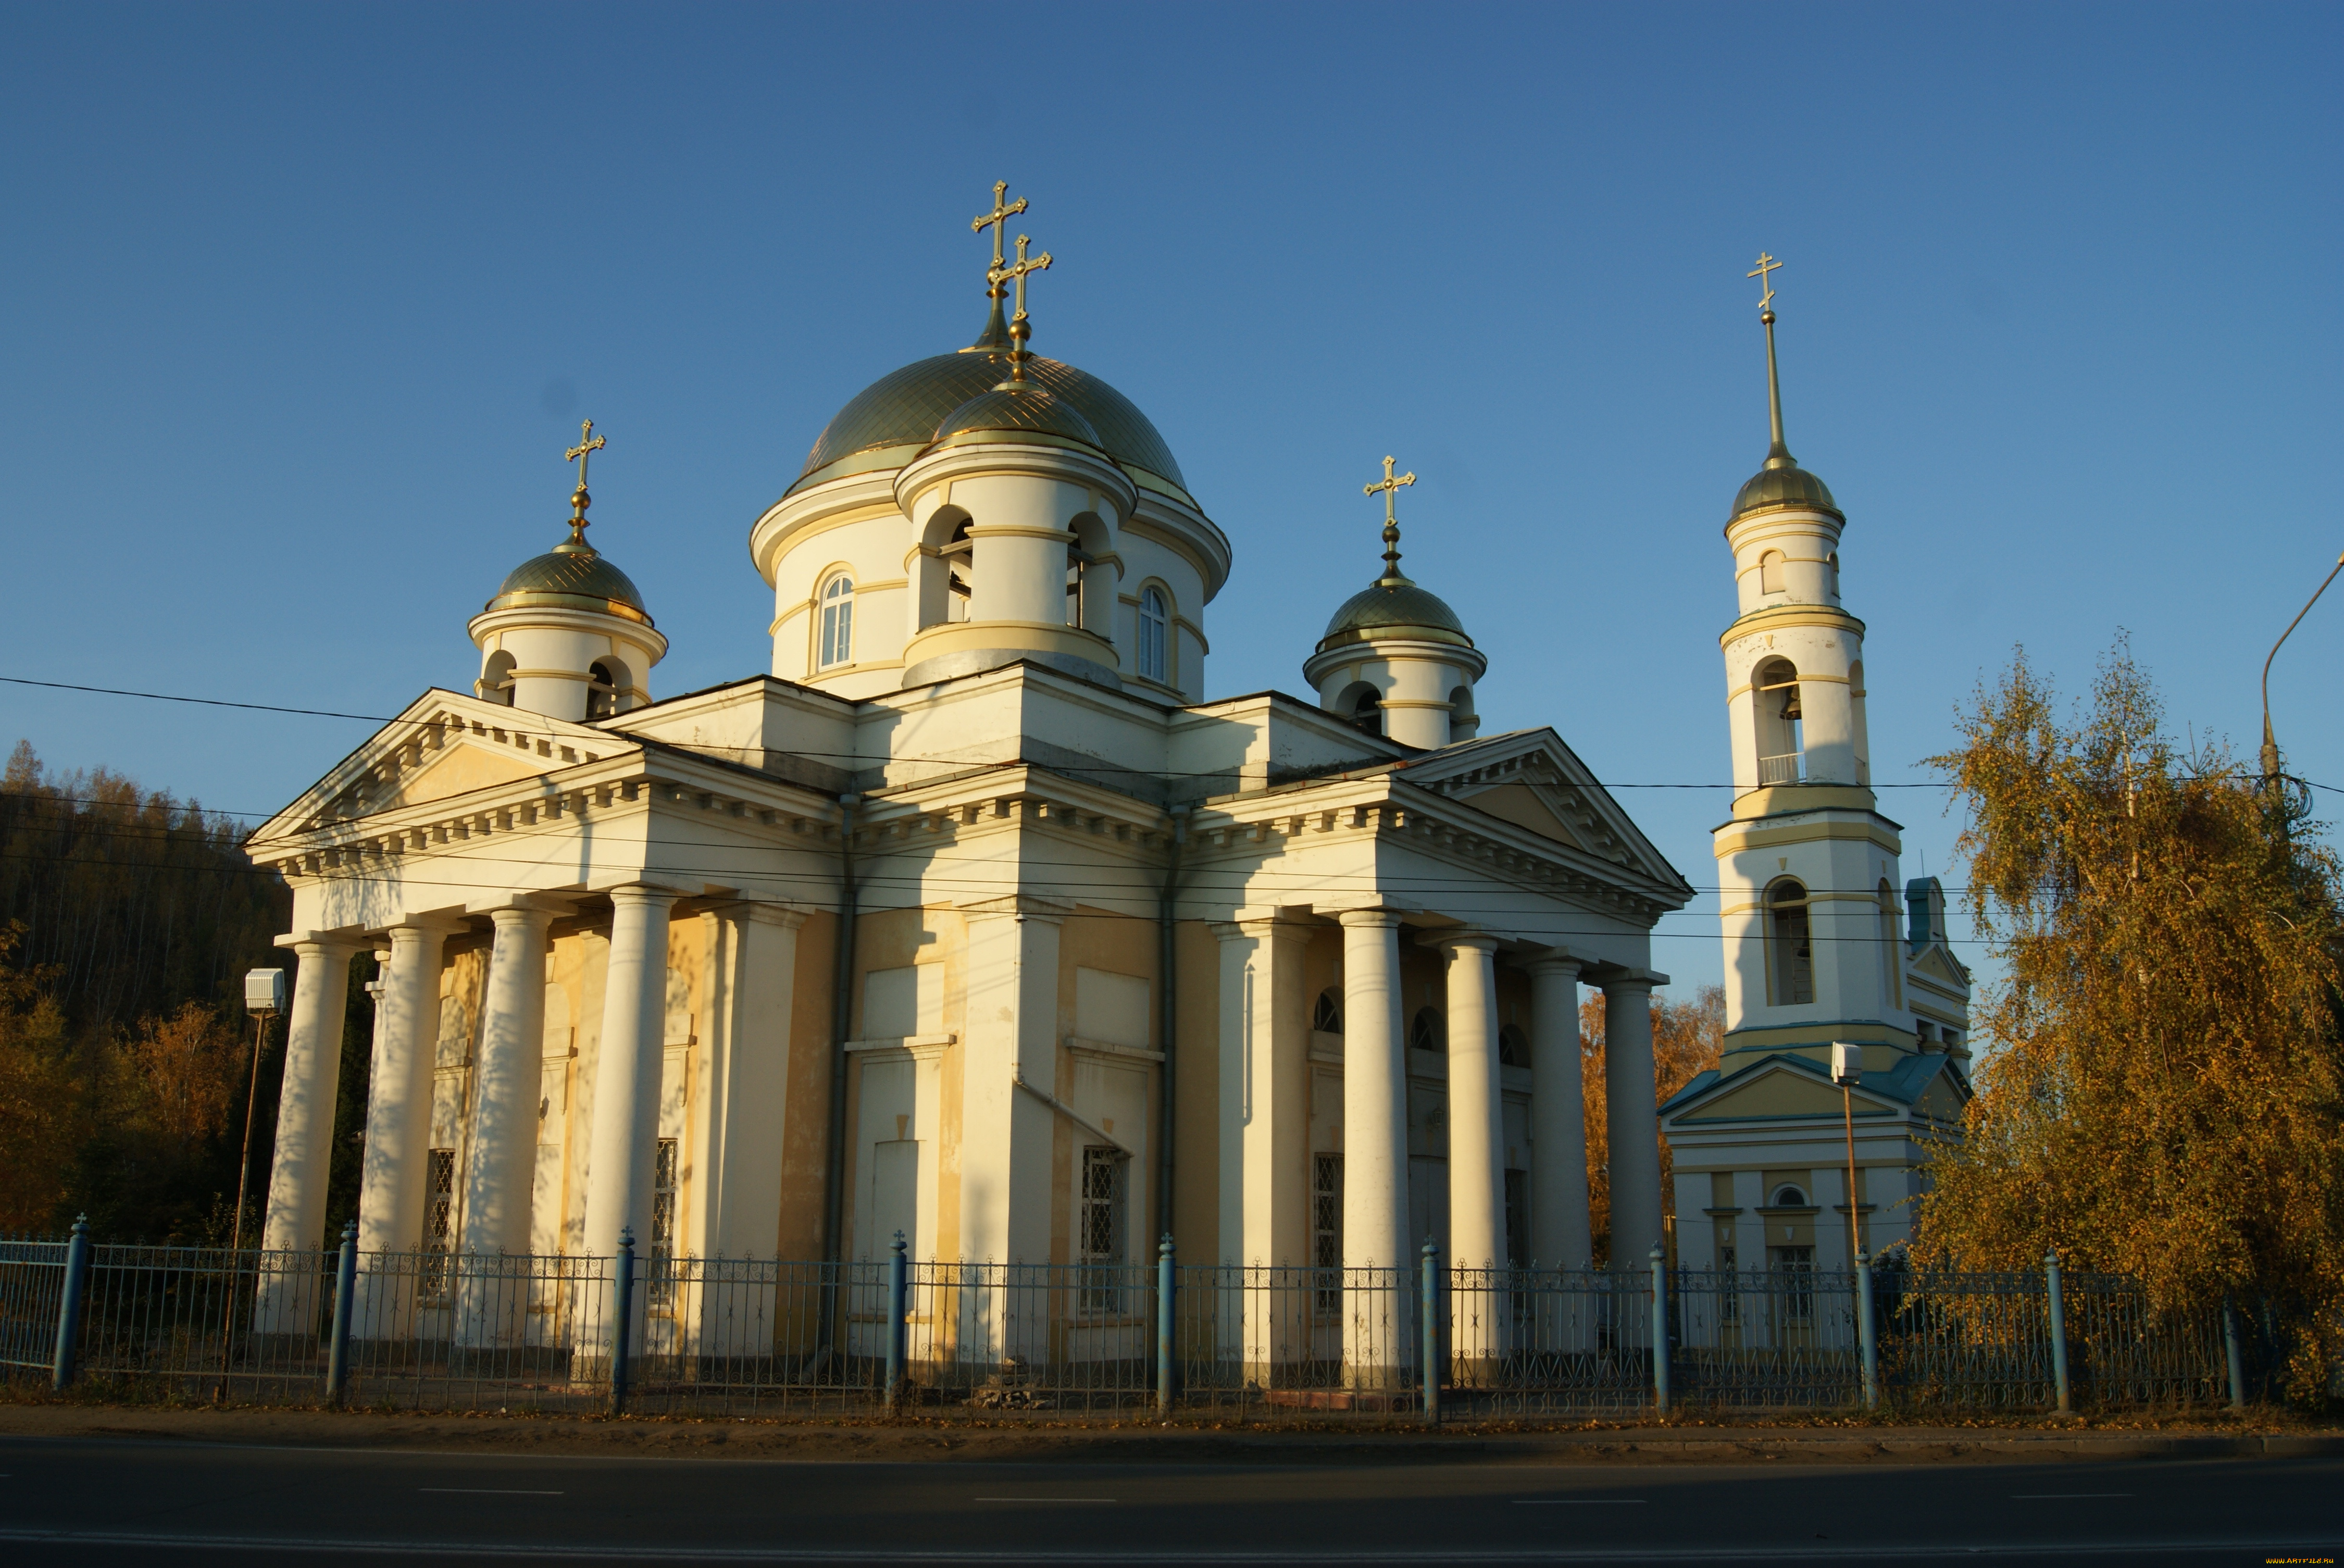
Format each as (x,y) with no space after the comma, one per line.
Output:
(588,444)
(1391,487)
(1020,330)
(997,220)
(1766,264)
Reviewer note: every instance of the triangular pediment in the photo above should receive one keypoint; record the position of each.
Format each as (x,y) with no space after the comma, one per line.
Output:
(445,744)
(1531,779)
(1771,1089)
(1940,965)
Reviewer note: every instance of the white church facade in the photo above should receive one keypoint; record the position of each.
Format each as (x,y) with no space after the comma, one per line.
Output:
(979,920)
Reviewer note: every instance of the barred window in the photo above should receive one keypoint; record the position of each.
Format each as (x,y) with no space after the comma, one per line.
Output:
(662,1278)
(1327,1231)
(1794,1270)
(1424,1034)
(439,1219)
(1327,1017)
(1105,1181)
(1513,1046)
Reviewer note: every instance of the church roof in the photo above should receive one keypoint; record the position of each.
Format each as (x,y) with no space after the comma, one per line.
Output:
(1783,482)
(891,420)
(571,576)
(1394,606)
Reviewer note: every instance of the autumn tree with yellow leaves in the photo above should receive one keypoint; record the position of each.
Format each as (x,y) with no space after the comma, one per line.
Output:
(2162,1088)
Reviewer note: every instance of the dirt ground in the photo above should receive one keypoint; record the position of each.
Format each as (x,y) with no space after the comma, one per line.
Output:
(731,1438)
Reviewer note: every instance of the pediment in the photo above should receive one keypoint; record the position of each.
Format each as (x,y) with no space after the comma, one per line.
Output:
(1942,1101)
(444,744)
(1531,779)
(1940,967)
(1776,1089)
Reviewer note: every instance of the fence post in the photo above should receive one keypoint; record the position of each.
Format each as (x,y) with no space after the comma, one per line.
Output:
(1660,1329)
(69,1306)
(2058,1314)
(1168,1286)
(346,1282)
(898,1308)
(2234,1354)
(623,1303)
(1867,1335)
(1429,1317)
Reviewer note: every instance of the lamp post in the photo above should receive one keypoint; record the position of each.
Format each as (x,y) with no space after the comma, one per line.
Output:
(264,998)
(2270,746)
(1847,1071)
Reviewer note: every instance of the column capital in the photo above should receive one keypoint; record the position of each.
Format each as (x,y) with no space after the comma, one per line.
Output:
(325,944)
(1556,961)
(645,893)
(1623,980)
(1386,918)
(1452,939)
(418,928)
(1265,923)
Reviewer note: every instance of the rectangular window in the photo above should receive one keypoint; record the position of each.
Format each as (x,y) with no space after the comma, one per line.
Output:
(662,1273)
(1794,1269)
(1100,1228)
(1729,1298)
(438,1221)
(1518,1218)
(1326,1232)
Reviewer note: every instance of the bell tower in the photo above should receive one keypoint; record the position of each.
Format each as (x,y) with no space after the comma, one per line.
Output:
(1807,864)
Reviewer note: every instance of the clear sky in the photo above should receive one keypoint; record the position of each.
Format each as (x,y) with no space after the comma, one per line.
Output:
(298,307)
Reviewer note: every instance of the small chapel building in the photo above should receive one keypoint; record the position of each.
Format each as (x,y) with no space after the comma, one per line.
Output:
(977,918)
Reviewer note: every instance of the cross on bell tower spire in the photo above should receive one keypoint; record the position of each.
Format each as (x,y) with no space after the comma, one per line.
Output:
(1391,487)
(1778,456)
(1020,328)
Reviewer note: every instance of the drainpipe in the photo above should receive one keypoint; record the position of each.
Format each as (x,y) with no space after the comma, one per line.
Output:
(842,998)
(1168,1014)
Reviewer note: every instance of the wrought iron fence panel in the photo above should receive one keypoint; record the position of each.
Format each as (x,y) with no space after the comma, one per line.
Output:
(1548,1341)
(32,1285)
(2124,1350)
(249,1324)
(1973,1340)
(1258,1342)
(1783,1339)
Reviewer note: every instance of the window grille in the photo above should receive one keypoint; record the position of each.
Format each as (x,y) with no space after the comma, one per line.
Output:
(837,632)
(1513,1046)
(1424,1033)
(1794,1270)
(1794,972)
(662,1278)
(1104,1182)
(1326,1017)
(1326,1233)
(1518,1218)
(438,1221)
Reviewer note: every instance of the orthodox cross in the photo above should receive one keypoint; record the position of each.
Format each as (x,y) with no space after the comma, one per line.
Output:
(588,444)
(997,220)
(1766,264)
(1020,330)
(1390,488)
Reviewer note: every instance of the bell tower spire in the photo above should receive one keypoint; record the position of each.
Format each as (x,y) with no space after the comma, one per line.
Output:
(1778,456)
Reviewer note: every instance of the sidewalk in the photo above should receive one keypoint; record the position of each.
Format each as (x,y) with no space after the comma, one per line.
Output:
(803,1440)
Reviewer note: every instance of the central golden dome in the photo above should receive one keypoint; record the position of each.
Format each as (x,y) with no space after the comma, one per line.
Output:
(896,418)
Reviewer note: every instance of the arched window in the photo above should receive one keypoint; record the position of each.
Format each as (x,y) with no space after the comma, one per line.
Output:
(496,683)
(1463,723)
(1155,636)
(1793,955)
(1775,688)
(1789,1196)
(1424,1031)
(1326,1017)
(1831,573)
(602,690)
(835,644)
(1368,714)
(1513,1046)
(1769,573)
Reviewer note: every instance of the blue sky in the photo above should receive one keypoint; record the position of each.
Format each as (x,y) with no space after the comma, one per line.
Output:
(298,307)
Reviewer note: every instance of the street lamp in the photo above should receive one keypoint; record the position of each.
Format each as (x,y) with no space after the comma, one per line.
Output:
(264,998)
(2270,746)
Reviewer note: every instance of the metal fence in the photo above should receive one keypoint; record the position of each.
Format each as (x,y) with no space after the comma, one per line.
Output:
(428,1331)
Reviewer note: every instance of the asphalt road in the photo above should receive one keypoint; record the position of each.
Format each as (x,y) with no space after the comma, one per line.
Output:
(90,1501)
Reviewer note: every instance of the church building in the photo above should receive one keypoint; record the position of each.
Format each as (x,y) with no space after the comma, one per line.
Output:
(977,917)
(1815,951)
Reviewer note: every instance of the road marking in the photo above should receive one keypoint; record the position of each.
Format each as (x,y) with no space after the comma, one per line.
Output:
(492,1491)
(1043,1500)
(1570,1501)
(2061,1496)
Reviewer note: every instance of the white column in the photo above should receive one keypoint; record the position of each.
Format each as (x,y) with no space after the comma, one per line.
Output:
(296,1214)
(399,1118)
(623,1140)
(286,1300)
(1560,1235)
(1265,1156)
(1477,1133)
(1477,1144)
(501,1159)
(1632,1124)
(1375,1153)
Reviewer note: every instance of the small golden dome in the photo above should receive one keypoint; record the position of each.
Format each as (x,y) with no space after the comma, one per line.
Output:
(571,576)
(1026,407)
(1394,607)
(1783,482)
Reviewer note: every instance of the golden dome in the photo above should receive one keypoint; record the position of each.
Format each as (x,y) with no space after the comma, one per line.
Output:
(571,576)
(1394,607)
